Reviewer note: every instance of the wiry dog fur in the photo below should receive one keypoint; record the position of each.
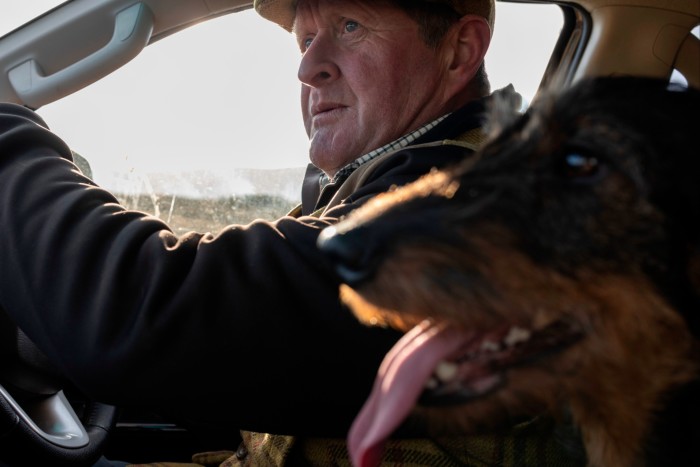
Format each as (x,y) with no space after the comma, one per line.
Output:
(577,224)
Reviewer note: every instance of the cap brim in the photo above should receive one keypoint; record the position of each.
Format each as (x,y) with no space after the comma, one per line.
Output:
(281,12)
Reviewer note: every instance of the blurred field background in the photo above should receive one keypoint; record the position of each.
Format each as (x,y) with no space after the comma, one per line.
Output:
(185,214)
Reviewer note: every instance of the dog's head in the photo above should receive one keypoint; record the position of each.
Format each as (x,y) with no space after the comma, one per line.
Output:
(557,266)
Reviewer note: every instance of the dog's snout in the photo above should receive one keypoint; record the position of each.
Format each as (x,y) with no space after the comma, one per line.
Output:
(351,253)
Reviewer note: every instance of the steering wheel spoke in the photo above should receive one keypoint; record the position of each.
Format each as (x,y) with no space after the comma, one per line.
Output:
(38,424)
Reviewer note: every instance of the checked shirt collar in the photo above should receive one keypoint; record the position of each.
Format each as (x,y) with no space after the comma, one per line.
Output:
(400,143)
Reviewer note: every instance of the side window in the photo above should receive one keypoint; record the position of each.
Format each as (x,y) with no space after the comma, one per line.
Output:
(203,129)
(523,40)
(688,58)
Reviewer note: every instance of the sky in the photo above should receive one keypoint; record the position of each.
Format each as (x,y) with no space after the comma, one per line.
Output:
(224,94)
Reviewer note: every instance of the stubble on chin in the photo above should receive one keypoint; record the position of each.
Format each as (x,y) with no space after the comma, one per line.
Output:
(328,154)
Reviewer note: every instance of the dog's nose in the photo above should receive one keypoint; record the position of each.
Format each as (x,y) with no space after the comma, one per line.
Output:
(350,252)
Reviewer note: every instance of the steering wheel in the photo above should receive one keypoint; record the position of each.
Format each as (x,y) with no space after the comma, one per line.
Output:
(38,425)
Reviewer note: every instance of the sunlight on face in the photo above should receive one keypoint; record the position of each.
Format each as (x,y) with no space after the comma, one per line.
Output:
(367,78)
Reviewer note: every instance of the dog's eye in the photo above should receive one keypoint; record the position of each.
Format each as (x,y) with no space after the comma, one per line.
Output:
(581,167)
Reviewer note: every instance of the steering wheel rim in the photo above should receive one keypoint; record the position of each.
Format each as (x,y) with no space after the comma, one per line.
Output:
(38,425)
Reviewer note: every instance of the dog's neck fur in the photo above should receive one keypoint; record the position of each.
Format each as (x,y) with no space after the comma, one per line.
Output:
(643,413)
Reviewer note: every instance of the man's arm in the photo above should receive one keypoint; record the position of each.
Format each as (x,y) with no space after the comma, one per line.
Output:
(135,315)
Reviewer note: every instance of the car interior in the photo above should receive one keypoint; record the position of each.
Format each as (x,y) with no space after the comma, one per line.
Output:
(80,42)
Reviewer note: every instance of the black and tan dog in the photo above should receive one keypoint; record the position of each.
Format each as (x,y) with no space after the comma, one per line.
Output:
(557,270)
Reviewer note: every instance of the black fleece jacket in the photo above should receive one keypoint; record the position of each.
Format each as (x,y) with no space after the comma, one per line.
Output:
(135,315)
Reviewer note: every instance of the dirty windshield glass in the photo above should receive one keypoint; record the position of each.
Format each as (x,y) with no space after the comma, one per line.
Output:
(203,130)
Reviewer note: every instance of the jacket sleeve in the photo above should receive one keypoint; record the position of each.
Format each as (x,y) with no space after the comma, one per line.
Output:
(243,328)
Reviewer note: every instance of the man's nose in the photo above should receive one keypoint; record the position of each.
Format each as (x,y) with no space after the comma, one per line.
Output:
(318,65)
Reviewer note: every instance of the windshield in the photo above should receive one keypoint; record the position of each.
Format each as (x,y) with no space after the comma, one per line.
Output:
(209,114)
(17,12)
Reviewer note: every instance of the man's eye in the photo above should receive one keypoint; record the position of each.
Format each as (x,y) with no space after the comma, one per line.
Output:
(351,26)
(306,43)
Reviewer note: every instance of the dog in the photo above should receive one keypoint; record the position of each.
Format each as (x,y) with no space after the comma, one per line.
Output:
(556,271)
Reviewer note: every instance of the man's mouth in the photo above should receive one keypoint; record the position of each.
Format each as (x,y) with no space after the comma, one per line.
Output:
(438,366)
(325,108)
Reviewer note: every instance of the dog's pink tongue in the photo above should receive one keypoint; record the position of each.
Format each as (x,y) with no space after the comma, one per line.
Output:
(400,380)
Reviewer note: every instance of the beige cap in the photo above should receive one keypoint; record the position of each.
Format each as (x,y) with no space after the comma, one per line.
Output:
(282,12)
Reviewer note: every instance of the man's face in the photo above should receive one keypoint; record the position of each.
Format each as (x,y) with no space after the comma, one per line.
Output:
(367,78)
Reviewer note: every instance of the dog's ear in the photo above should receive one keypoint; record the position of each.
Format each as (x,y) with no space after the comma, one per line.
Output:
(672,123)
(691,311)
(677,137)
(684,149)
(694,269)
(663,120)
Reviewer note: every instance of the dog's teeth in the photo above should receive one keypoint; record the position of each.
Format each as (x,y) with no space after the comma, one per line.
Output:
(432,383)
(490,346)
(516,335)
(446,371)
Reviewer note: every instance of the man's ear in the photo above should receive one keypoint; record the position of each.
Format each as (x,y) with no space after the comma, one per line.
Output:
(467,43)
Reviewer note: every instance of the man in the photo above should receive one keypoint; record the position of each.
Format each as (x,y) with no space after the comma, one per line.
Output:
(137,316)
